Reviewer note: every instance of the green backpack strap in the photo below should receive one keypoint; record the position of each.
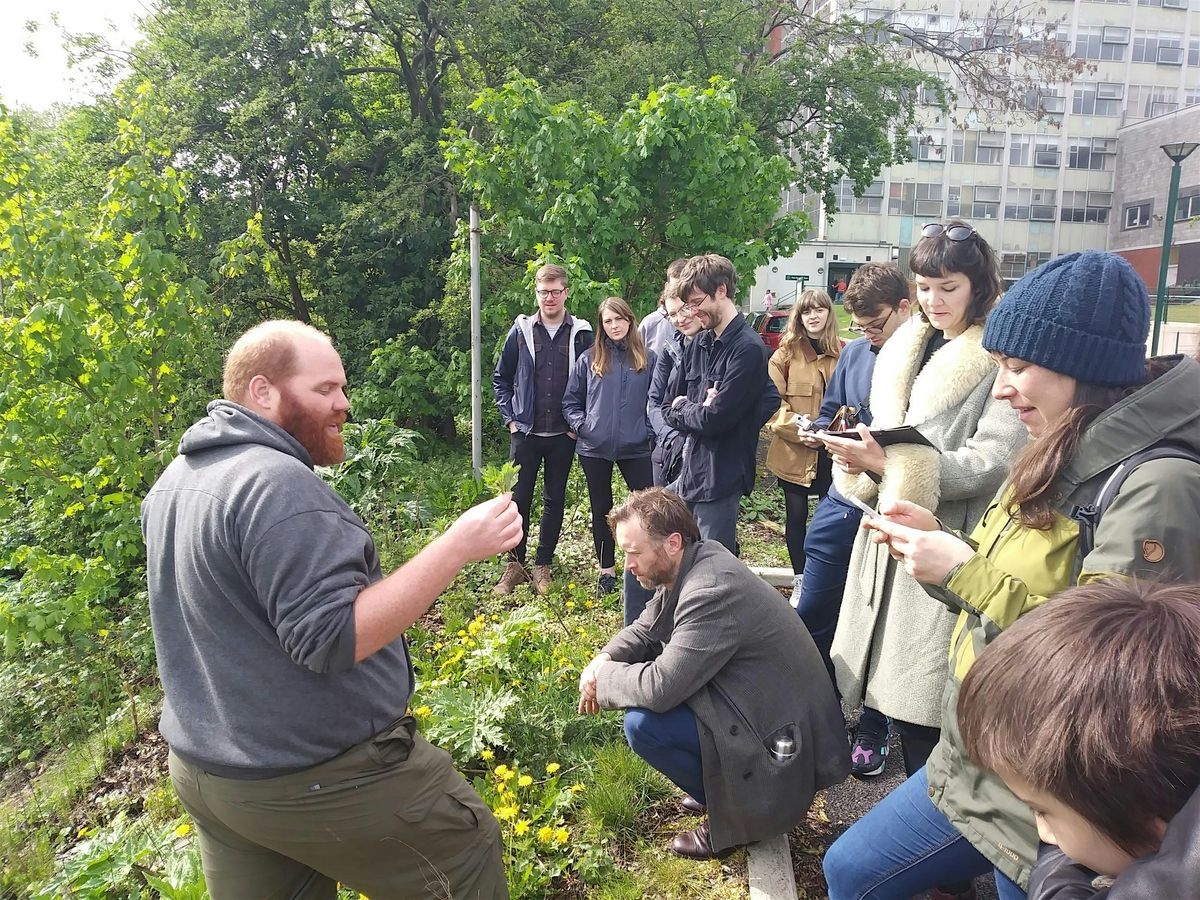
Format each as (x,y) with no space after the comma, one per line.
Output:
(1089,515)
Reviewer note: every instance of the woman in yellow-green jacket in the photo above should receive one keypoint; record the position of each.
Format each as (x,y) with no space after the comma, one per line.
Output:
(1070,341)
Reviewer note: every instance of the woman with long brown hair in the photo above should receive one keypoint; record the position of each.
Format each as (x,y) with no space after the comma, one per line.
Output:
(605,404)
(801,369)
(1070,341)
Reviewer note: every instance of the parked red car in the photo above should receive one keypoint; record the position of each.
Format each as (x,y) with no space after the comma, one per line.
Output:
(771,325)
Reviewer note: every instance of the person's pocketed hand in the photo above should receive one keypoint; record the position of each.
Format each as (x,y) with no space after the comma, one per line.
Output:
(488,529)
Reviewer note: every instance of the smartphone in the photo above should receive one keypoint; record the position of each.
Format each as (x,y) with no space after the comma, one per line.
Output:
(804,423)
(869,510)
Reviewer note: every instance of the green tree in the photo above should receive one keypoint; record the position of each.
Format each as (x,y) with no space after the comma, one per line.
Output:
(97,319)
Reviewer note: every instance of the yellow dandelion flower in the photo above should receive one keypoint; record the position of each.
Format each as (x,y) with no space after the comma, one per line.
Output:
(551,768)
(562,835)
(589,604)
(570,604)
(504,813)
(545,834)
(423,711)
(183,830)
(525,780)
(577,789)
(103,632)
(571,586)
(461,633)
(487,755)
(469,642)
(495,618)
(500,770)
(506,775)
(437,645)
(521,827)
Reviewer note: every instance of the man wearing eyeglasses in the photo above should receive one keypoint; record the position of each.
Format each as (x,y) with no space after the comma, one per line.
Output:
(723,409)
(877,299)
(529,382)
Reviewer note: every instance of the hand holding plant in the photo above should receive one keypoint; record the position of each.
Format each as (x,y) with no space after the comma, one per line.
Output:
(483,531)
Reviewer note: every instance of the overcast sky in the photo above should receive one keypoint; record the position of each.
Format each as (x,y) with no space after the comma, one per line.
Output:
(45,79)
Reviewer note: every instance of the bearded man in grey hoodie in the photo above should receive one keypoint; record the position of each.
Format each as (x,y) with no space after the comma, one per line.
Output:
(282,655)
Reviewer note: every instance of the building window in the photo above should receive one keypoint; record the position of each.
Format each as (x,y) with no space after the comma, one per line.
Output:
(1046,153)
(1043,204)
(1012,266)
(1086,206)
(987,202)
(1188,205)
(1093,99)
(1193,58)
(929,146)
(1090,44)
(1019,149)
(1136,215)
(953,201)
(1046,99)
(901,197)
(870,203)
(1033,260)
(1016,205)
(1147,100)
(1147,44)
(929,199)
(1090,153)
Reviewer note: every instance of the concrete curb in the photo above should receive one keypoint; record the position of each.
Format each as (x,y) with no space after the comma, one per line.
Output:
(770,868)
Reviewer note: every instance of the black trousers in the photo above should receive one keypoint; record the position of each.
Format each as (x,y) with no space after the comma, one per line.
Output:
(638,474)
(795,500)
(530,452)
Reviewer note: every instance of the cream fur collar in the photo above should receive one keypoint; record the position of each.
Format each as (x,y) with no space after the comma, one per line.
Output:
(900,395)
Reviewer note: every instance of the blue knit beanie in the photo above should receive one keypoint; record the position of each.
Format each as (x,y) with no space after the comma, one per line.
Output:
(1086,315)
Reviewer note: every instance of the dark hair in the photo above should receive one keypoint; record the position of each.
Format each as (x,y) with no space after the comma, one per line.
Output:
(873,286)
(707,273)
(938,257)
(1094,698)
(1031,497)
(661,513)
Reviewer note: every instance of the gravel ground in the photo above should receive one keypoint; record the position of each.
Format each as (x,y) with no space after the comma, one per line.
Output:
(847,802)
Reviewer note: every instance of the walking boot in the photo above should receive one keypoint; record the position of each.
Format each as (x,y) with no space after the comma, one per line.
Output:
(514,574)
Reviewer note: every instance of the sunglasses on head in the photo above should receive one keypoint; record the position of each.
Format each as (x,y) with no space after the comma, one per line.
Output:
(952,232)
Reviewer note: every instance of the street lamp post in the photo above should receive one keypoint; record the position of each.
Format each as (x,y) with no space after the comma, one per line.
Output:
(1177,153)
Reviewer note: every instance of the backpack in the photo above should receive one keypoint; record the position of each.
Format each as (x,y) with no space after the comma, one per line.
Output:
(1088,516)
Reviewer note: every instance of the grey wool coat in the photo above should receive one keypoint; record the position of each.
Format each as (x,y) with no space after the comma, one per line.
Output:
(890,647)
(728,645)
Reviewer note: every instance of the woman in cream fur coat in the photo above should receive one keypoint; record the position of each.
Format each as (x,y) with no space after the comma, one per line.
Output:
(889,651)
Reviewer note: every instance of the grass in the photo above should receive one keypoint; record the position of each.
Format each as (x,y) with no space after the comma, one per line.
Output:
(623,786)
(32,828)
(1184,312)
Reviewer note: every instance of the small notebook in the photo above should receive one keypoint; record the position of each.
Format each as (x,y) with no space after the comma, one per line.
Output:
(905,434)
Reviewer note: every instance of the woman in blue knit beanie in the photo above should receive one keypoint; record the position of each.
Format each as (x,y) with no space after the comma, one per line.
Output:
(1070,340)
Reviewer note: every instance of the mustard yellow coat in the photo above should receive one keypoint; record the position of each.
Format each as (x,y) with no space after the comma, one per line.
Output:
(800,378)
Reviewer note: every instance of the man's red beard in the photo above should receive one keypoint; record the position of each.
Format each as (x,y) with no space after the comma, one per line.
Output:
(325,447)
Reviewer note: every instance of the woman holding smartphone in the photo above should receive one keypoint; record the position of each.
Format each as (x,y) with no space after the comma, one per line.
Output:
(932,374)
(605,404)
(801,369)
(1070,340)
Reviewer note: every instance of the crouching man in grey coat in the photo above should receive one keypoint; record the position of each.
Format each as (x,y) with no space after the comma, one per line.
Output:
(724,691)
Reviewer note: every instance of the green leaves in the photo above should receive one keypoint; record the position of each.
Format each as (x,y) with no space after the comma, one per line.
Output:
(677,172)
(96,315)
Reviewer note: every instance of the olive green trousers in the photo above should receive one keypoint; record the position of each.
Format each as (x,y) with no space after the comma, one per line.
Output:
(390,818)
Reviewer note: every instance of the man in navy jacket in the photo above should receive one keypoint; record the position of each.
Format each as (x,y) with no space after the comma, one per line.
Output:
(529,383)
(723,410)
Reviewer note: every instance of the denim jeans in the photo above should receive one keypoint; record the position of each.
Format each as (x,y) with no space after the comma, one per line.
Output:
(827,561)
(904,846)
(669,742)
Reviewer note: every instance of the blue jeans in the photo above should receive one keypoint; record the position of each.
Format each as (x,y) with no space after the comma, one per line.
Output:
(717,520)
(669,742)
(904,846)
(827,561)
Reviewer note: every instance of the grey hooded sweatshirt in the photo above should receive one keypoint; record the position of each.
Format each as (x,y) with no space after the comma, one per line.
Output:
(253,564)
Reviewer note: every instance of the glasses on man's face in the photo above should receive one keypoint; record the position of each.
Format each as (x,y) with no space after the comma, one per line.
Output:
(873,327)
(693,303)
(952,232)
(683,314)
(543,293)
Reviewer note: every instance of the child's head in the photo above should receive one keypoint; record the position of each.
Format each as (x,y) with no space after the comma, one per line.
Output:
(1089,709)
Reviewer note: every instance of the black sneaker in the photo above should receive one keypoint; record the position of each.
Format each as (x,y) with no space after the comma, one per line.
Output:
(606,585)
(869,755)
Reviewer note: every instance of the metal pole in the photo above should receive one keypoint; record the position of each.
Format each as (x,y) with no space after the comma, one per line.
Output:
(476,350)
(1160,301)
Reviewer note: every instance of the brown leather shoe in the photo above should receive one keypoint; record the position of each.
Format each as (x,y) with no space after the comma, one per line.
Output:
(697,844)
(514,574)
(691,805)
(542,579)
